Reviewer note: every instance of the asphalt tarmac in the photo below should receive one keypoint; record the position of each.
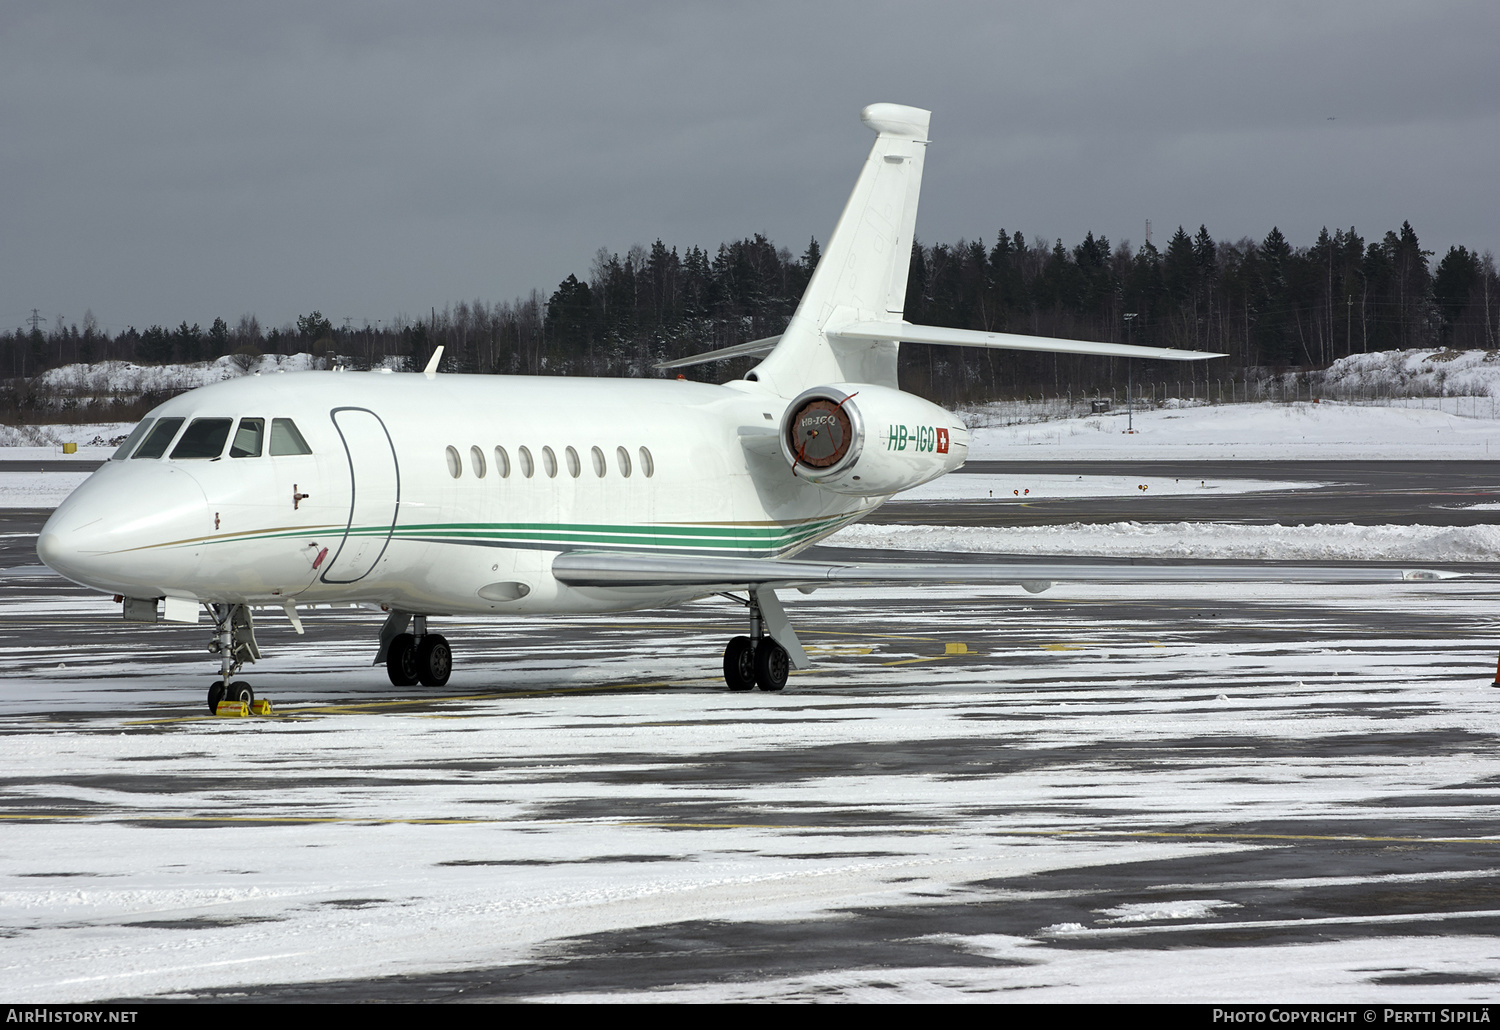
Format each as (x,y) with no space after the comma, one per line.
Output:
(1365,493)
(1346,797)
(1305,770)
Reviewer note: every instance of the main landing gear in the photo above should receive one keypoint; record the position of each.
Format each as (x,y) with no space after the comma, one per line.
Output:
(416,657)
(234,642)
(756,660)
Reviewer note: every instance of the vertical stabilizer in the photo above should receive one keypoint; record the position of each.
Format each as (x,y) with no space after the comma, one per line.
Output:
(862,274)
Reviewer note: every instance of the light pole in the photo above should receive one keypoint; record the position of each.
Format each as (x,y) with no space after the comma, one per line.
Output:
(1129,374)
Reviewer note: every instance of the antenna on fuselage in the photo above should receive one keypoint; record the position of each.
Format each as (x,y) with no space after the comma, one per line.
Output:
(431,370)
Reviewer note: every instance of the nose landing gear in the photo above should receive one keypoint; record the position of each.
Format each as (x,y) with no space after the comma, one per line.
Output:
(239,690)
(234,642)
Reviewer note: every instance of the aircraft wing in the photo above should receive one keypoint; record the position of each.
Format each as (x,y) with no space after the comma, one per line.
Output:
(896,332)
(640,569)
(753,349)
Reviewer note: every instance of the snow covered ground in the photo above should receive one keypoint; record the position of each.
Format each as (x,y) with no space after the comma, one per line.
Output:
(38,489)
(1203,541)
(44,442)
(982,486)
(1324,431)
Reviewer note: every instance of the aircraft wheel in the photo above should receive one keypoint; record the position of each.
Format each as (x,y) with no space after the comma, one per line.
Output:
(401,661)
(772,665)
(215,695)
(239,690)
(434,660)
(739,664)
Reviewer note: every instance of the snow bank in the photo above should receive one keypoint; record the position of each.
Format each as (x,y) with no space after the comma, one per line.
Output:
(128,379)
(1426,373)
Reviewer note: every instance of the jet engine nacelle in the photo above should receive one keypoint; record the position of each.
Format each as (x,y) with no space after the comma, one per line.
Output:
(855,438)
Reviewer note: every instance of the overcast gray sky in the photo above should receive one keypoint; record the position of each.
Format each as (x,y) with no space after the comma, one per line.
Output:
(169,161)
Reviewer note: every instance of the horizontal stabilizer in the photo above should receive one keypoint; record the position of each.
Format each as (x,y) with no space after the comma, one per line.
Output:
(753,349)
(905,332)
(636,569)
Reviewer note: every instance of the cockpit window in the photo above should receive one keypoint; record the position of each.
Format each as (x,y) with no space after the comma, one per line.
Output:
(205,438)
(248,438)
(134,438)
(161,435)
(285,439)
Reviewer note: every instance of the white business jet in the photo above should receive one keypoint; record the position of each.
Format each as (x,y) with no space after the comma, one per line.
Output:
(429,494)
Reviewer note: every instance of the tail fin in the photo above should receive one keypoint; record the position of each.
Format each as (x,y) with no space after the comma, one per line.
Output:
(862,274)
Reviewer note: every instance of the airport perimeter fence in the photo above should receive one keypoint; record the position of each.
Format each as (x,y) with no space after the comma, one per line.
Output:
(1283,388)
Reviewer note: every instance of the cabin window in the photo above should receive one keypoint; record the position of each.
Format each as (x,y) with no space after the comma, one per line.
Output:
(476,459)
(285,439)
(247,438)
(549,462)
(600,465)
(622,458)
(648,467)
(156,444)
(205,438)
(573,466)
(527,465)
(136,434)
(455,464)
(502,463)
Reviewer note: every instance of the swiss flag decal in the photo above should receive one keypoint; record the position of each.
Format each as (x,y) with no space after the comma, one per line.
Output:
(942,443)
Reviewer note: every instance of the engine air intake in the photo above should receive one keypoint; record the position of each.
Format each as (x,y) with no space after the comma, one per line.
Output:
(820,433)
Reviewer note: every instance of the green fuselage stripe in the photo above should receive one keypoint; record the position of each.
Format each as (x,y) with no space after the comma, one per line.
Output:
(565,535)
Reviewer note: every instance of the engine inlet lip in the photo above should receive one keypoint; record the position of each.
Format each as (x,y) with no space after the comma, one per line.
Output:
(844,401)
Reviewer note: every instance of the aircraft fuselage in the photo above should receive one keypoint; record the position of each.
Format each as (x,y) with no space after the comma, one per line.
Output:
(450,494)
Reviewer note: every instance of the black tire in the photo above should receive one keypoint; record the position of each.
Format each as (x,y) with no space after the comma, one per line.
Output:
(401,661)
(772,665)
(739,664)
(239,690)
(215,695)
(434,661)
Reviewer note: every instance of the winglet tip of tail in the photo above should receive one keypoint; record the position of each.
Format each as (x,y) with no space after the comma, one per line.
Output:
(897,120)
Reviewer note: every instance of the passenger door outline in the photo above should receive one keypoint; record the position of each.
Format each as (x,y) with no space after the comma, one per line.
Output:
(360,554)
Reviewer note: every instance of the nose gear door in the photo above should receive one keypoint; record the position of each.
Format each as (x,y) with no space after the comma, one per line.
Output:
(375,494)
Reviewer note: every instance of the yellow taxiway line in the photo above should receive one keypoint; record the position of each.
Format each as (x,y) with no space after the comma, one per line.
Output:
(358,706)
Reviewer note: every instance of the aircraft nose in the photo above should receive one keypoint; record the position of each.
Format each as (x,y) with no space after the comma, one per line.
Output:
(50,548)
(128,529)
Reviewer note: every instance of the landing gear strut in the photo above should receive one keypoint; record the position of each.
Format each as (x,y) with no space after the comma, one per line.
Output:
(756,660)
(234,642)
(416,657)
